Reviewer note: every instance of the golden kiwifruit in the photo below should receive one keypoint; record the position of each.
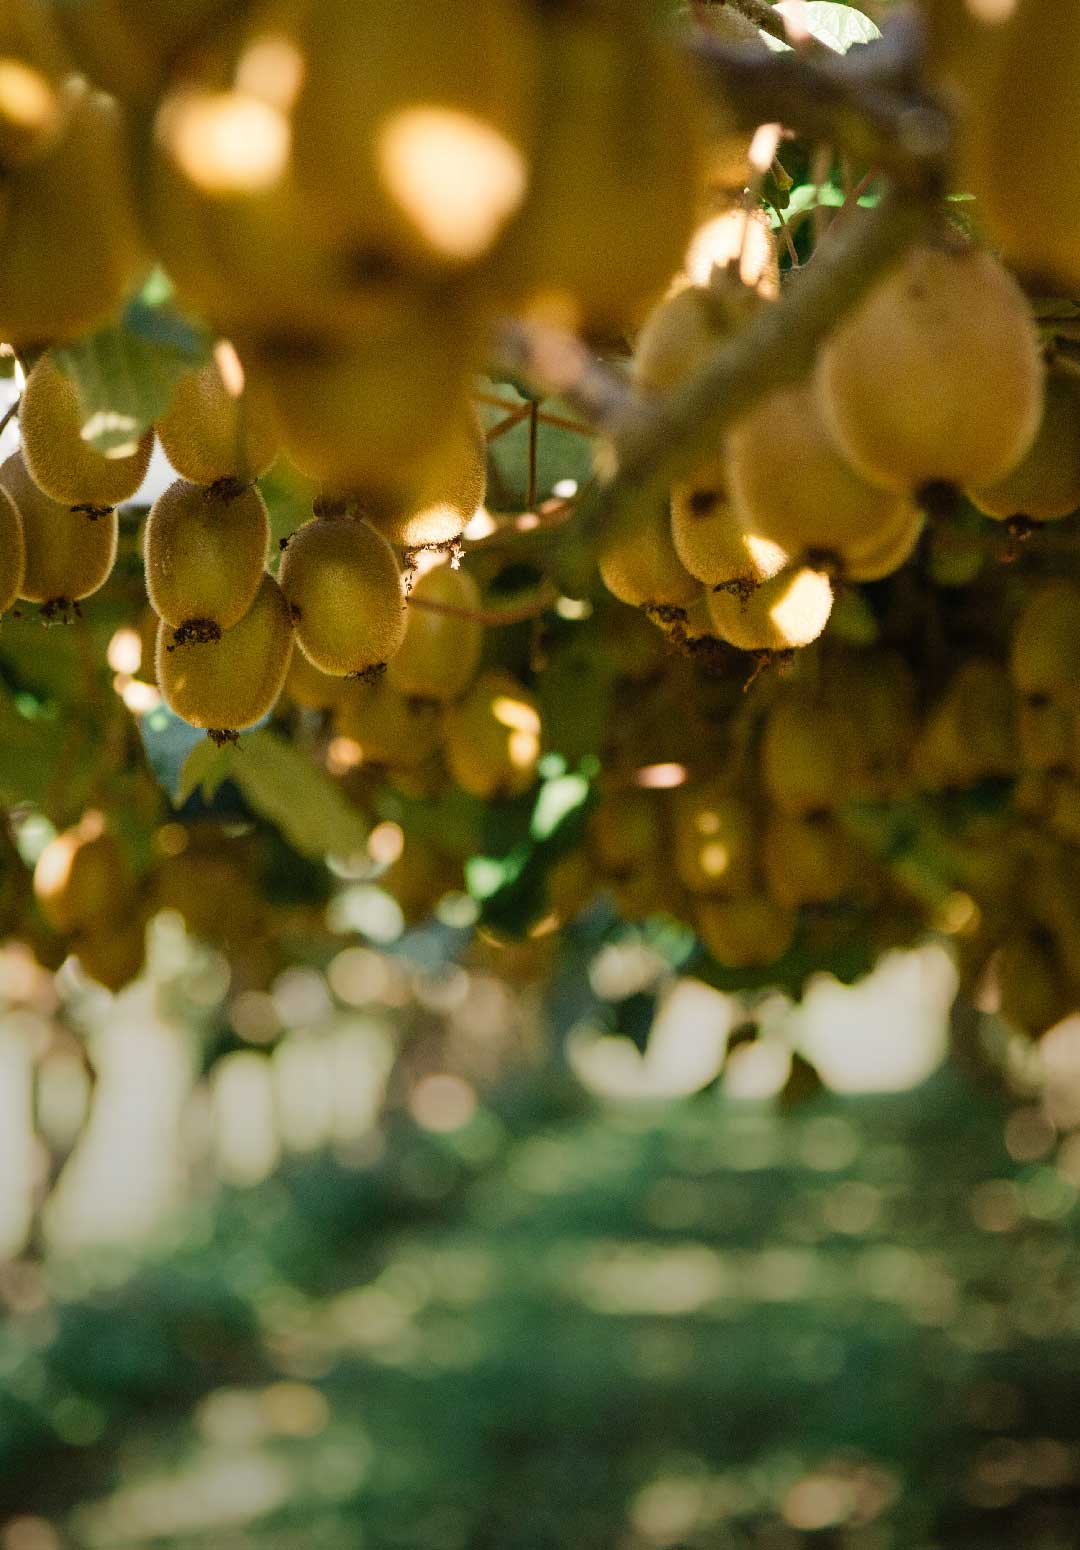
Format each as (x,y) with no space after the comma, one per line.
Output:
(1045,733)
(212,893)
(33,68)
(790,482)
(345,590)
(61,460)
(715,837)
(416,141)
(883,552)
(712,544)
(625,833)
(205,553)
(1046,483)
(308,688)
(421,876)
(808,749)
(784,613)
(12,552)
(69,245)
(680,336)
(69,554)
(389,727)
(809,860)
(129,50)
(440,651)
(1022,142)
(746,933)
(875,694)
(492,738)
(82,880)
(228,684)
(210,433)
(601,234)
(638,562)
(1046,644)
(453,488)
(113,956)
(936,376)
(970,735)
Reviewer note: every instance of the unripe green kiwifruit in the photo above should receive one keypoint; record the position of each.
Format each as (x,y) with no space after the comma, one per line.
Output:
(1045,484)
(205,553)
(440,651)
(715,837)
(807,860)
(790,482)
(936,376)
(344,588)
(782,614)
(210,434)
(69,245)
(453,488)
(69,554)
(492,738)
(82,881)
(60,459)
(12,552)
(638,562)
(1046,646)
(389,727)
(33,68)
(748,933)
(713,544)
(114,956)
(228,684)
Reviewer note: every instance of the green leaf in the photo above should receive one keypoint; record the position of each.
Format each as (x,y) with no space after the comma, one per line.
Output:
(284,785)
(125,373)
(205,768)
(836,26)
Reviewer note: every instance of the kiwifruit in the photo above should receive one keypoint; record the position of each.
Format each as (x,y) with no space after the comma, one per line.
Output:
(807,860)
(880,554)
(390,727)
(876,697)
(421,876)
(416,141)
(12,552)
(679,337)
(308,688)
(113,956)
(492,738)
(571,885)
(228,684)
(1046,483)
(69,554)
(936,377)
(789,481)
(205,552)
(440,651)
(625,833)
(786,612)
(345,590)
(808,748)
(638,562)
(1046,645)
(970,735)
(601,234)
(715,836)
(210,434)
(212,893)
(62,462)
(82,880)
(711,542)
(453,488)
(69,245)
(33,68)
(748,933)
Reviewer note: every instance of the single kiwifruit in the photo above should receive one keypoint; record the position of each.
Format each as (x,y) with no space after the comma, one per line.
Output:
(679,337)
(715,838)
(453,488)
(807,860)
(210,433)
(638,562)
(492,738)
(786,612)
(69,554)
(390,728)
(1046,483)
(69,245)
(808,747)
(114,956)
(309,688)
(713,544)
(12,552)
(746,933)
(83,881)
(970,735)
(345,590)
(789,481)
(625,833)
(1046,645)
(205,551)
(441,648)
(936,377)
(228,684)
(61,460)
(882,552)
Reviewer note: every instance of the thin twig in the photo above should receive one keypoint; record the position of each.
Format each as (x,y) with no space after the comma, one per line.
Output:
(9,414)
(560,364)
